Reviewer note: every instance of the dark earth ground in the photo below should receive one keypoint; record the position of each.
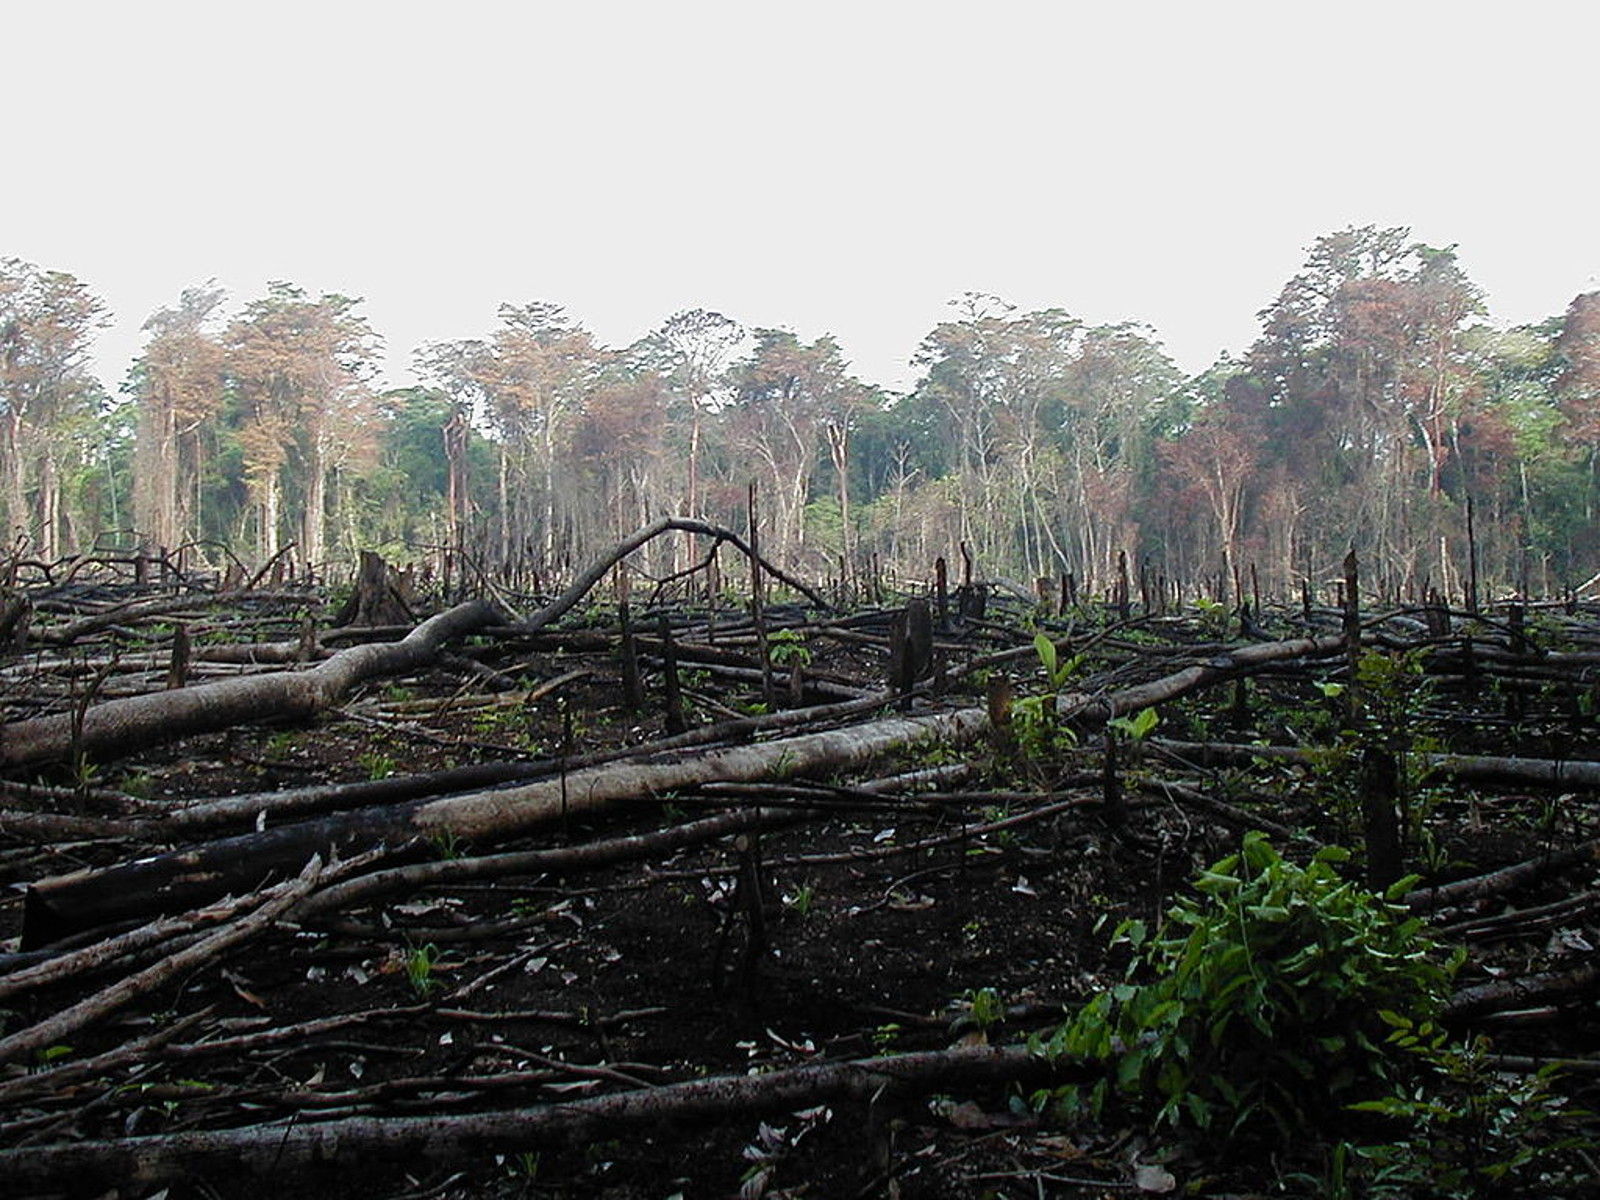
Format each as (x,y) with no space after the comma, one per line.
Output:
(632,974)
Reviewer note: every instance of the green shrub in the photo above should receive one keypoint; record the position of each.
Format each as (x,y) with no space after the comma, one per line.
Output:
(1260,1009)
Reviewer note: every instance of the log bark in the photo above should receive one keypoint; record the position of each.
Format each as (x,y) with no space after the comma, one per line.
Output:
(280,1150)
(1097,709)
(168,883)
(118,726)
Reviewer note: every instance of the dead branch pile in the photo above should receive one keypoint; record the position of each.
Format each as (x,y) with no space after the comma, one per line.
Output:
(167,955)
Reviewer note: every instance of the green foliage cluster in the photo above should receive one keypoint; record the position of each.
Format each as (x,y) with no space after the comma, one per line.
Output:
(1461,1128)
(1035,437)
(787,647)
(1039,733)
(1255,1013)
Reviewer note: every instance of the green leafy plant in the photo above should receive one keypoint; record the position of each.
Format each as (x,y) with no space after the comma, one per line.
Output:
(140,784)
(420,964)
(801,899)
(447,844)
(52,1054)
(1465,1129)
(1057,671)
(376,765)
(1038,732)
(1139,726)
(787,647)
(523,1166)
(1214,616)
(984,1007)
(1257,1011)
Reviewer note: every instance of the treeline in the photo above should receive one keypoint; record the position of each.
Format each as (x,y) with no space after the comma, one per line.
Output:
(1378,408)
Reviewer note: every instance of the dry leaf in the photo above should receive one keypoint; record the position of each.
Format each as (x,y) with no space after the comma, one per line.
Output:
(1154,1179)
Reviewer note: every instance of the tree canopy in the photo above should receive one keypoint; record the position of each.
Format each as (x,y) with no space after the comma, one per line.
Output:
(1376,405)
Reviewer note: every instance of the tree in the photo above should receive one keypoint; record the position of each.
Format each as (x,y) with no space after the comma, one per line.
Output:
(46,321)
(535,372)
(1217,458)
(692,351)
(178,392)
(786,393)
(1364,377)
(457,370)
(302,367)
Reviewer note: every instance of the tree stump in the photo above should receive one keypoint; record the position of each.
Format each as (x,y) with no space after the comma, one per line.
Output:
(382,595)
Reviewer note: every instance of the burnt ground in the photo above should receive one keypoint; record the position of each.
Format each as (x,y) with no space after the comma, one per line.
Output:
(881,928)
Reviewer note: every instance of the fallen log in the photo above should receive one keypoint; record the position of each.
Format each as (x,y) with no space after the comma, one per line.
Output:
(29,1041)
(56,908)
(1502,995)
(1470,768)
(1092,709)
(1505,879)
(279,1150)
(136,722)
(188,879)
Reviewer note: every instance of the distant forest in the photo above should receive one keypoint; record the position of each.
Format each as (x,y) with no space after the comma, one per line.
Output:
(1377,403)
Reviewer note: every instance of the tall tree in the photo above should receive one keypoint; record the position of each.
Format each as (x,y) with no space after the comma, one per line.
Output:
(46,321)
(786,392)
(302,367)
(458,369)
(178,391)
(538,368)
(692,351)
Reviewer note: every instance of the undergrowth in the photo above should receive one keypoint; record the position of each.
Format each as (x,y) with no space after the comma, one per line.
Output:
(1286,1011)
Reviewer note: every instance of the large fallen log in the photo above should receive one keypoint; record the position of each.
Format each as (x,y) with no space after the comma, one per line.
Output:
(135,722)
(1098,709)
(66,905)
(281,1150)
(56,908)
(1470,768)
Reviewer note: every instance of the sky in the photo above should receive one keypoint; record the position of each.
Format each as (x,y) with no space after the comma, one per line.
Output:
(831,168)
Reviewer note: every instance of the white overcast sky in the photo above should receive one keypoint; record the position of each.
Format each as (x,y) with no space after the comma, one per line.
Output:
(843,168)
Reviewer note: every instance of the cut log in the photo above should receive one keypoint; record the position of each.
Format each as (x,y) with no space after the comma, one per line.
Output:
(276,1150)
(136,722)
(1228,665)
(173,882)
